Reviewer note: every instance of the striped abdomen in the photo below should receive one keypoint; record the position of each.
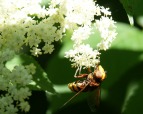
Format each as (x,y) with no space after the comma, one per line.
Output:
(78,85)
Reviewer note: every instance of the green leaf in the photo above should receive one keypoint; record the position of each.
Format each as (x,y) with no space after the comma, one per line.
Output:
(126,51)
(134,102)
(133,7)
(128,38)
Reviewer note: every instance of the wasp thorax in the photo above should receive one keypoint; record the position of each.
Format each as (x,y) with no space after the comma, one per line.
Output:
(100,73)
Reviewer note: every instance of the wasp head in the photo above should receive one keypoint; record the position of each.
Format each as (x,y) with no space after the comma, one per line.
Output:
(99,73)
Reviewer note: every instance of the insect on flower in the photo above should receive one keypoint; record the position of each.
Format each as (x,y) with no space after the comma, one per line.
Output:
(89,83)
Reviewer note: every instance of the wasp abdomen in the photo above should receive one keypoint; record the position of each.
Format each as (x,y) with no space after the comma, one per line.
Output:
(76,86)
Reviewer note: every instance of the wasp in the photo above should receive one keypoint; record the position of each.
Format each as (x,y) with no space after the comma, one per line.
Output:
(89,83)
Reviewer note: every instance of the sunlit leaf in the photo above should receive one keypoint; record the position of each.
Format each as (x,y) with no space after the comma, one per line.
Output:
(128,38)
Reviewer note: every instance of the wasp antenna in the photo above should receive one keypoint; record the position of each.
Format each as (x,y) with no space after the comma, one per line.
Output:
(69,100)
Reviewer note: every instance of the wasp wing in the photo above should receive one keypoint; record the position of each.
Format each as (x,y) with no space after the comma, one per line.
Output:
(94,99)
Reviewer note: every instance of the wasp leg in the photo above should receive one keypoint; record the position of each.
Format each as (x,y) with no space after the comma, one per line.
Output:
(89,70)
(81,76)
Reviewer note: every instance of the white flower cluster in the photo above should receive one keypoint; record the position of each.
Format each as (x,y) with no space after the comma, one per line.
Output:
(80,15)
(106,27)
(25,22)
(13,85)
(19,25)
(83,55)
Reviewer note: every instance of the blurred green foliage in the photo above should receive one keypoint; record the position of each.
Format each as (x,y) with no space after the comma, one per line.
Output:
(121,92)
(123,63)
(133,7)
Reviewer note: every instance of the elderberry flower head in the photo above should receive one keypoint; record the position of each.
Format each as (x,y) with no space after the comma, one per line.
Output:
(75,11)
(82,55)
(14,85)
(28,23)
(106,28)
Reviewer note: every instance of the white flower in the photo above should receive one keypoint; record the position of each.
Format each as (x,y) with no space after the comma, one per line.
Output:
(7,106)
(36,51)
(48,48)
(75,11)
(31,68)
(83,55)
(105,11)
(24,106)
(81,34)
(98,10)
(14,84)
(51,11)
(106,27)
(21,94)
(11,109)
